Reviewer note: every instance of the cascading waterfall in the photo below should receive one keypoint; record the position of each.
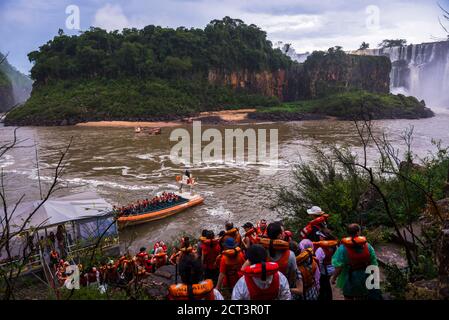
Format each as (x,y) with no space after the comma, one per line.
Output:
(420,70)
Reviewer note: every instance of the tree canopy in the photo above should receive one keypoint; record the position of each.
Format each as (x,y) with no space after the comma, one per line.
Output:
(154,51)
(388,43)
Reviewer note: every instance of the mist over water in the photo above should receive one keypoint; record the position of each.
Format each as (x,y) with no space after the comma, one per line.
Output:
(420,70)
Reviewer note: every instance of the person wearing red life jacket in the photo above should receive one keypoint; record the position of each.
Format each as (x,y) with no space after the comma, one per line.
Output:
(350,260)
(261,279)
(193,287)
(318,224)
(111,275)
(230,262)
(93,277)
(251,236)
(288,236)
(159,258)
(279,251)
(262,228)
(210,250)
(142,255)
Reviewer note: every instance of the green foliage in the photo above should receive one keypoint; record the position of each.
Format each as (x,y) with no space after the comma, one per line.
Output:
(397,281)
(129,99)
(227,44)
(364,46)
(90,293)
(388,43)
(353,104)
(333,182)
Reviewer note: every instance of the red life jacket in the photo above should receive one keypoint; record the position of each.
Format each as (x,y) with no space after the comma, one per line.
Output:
(359,256)
(210,250)
(315,222)
(148,265)
(262,270)
(280,246)
(92,277)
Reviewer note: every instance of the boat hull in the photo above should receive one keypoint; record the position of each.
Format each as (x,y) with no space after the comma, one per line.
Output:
(124,222)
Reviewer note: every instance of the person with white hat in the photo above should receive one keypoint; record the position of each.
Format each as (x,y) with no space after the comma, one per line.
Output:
(317,227)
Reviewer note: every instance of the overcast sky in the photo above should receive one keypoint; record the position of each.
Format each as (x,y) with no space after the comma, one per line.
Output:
(307,24)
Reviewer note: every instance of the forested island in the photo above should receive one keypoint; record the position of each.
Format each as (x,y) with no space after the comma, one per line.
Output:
(158,73)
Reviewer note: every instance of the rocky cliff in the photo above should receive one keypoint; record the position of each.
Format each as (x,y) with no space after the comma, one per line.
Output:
(15,87)
(320,75)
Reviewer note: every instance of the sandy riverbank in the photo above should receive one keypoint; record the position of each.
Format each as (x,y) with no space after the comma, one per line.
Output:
(224,115)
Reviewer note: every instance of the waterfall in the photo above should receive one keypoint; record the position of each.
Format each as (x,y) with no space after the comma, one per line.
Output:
(420,70)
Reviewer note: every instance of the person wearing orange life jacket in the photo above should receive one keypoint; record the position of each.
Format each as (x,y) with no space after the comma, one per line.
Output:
(251,236)
(261,279)
(210,248)
(318,224)
(231,232)
(262,228)
(350,260)
(193,287)
(279,251)
(230,262)
(308,282)
(54,259)
(324,250)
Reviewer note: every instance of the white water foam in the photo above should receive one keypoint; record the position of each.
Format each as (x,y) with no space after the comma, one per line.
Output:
(6,161)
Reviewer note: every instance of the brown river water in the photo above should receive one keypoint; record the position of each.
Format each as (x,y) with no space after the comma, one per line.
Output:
(122,167)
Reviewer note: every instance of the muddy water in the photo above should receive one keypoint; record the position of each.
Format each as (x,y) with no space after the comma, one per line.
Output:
(122,166)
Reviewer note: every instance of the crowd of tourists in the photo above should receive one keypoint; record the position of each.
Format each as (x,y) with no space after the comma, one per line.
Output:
(263,262)
(147,205)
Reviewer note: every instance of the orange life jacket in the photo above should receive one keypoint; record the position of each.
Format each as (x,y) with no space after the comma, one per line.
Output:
(233,259)
(307,265)
(233,233)
(329,247)
(359,256)
(305,232)
(262,270)
(252,236)
(200,291)
(281,246)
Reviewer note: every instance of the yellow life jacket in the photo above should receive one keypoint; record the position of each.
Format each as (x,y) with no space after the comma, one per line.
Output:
(202,290)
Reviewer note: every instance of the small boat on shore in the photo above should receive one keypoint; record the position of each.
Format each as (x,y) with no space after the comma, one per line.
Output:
(150,131)
(186,200)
